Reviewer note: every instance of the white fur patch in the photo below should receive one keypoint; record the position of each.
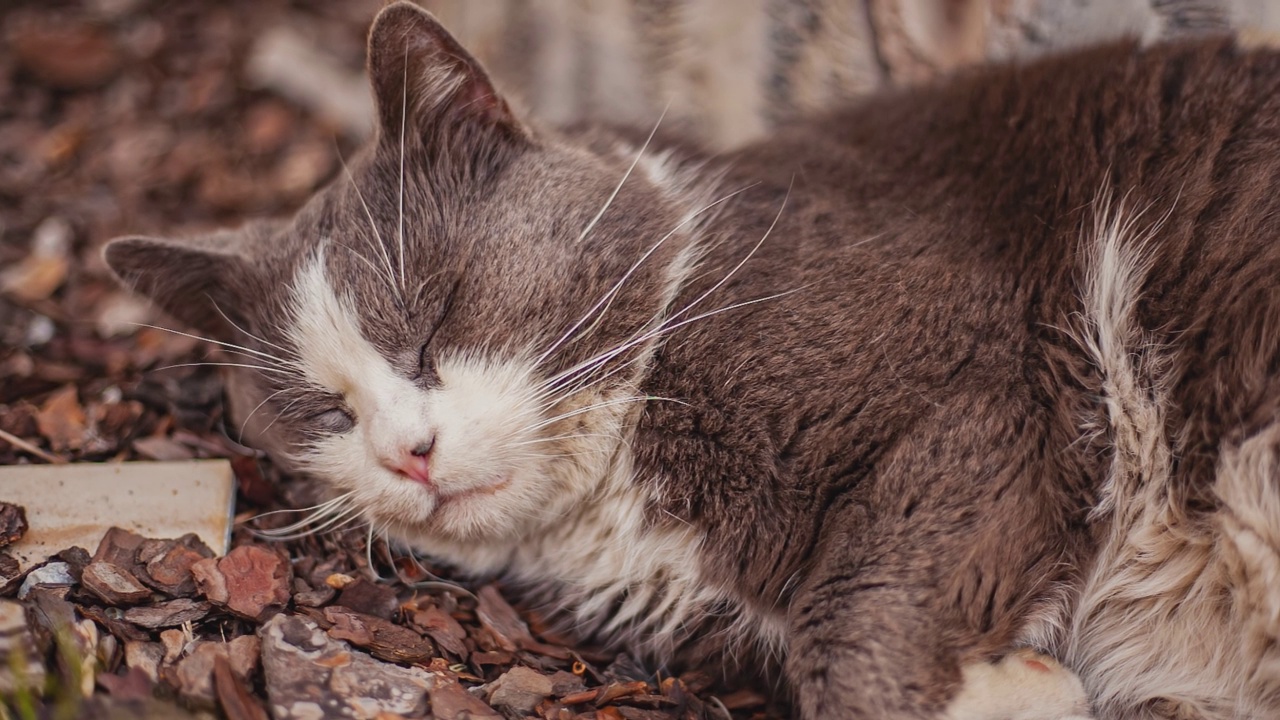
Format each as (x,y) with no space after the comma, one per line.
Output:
(1177,617)
(1021,686)
(540,499)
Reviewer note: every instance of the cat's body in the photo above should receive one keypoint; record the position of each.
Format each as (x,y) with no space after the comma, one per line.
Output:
(960,370)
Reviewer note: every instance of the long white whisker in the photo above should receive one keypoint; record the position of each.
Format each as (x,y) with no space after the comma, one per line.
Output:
(376,270)
(283,410)
(261,368)
(326,504)
(332,524)
(591,225)
(231,346)
(570,436)
(667,323)
(597,406)
(337,506)
(404,115)
(744,260)
(583,381)
(246,333)
(379,244)
(255,409)
(368,552)
(606,300)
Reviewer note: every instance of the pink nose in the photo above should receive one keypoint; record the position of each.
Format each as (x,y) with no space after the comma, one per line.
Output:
(415,463)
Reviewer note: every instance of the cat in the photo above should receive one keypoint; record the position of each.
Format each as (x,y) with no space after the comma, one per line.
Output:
(960,402)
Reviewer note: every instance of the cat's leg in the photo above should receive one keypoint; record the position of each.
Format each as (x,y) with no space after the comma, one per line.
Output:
(867,646)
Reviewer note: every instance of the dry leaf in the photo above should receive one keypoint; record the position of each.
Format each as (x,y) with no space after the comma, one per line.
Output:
(62,420)
(45,268)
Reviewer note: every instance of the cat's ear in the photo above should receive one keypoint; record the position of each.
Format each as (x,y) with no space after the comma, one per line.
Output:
(424,82)
(199,281)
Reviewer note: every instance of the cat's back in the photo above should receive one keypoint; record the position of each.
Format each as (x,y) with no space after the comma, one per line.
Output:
(972,238)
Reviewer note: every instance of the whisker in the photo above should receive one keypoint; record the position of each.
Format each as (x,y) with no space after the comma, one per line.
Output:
(262,368)
(404,114)
(376,270)
(256,408)
(744,260)
(326,503)
(368,553)
(220,343)
(662,329)
(606,300)
(379,244)
(244,332)
(283,410)
(572,436)
(597,406)
(320,517)
(627,174)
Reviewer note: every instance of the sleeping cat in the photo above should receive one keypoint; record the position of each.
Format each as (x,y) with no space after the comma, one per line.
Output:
(896,398)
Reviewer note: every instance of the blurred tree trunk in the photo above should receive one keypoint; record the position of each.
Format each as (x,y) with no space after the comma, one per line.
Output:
(730,69)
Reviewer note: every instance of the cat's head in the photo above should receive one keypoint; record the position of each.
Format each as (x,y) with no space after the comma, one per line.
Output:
(453,330)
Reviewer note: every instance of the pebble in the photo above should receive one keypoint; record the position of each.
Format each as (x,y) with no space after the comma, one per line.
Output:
(520,689)
(194,672)
(54,573)
(144,657)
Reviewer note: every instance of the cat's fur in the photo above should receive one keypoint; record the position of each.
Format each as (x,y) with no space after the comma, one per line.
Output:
(986,365)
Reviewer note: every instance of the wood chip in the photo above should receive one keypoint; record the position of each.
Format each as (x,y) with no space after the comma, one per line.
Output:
(119,547)
(310,675)
(144,657)
(499,618)
(168,567)
(442,628)
(13,523)
(384,639)
(167,614)
(133,685)
(114,584)
(233,696)
(450,701)
(194,673)
(369,598)
(250,581)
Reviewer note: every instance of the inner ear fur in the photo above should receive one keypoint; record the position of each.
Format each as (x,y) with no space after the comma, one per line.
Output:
(424,79)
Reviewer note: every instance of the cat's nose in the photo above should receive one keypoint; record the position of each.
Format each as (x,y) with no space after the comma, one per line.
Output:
(415,462)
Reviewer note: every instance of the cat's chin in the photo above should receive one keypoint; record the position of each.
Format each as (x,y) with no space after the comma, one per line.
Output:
(482,512)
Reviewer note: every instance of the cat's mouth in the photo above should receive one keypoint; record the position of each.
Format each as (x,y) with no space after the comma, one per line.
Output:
(444,498)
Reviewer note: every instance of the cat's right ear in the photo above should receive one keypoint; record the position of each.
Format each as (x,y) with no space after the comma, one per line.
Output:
(199,281)
(427,85)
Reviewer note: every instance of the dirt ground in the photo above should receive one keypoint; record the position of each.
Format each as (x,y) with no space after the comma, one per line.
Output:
(144,117)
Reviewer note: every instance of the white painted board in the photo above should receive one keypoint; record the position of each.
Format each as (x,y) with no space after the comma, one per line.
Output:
(75,504)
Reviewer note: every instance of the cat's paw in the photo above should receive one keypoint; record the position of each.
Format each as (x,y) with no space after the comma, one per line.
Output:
(1023,685)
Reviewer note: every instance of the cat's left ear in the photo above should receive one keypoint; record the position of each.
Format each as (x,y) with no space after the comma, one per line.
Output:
(424,82)
(205,282)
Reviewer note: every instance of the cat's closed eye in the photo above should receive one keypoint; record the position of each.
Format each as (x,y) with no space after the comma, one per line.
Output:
(336,420)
